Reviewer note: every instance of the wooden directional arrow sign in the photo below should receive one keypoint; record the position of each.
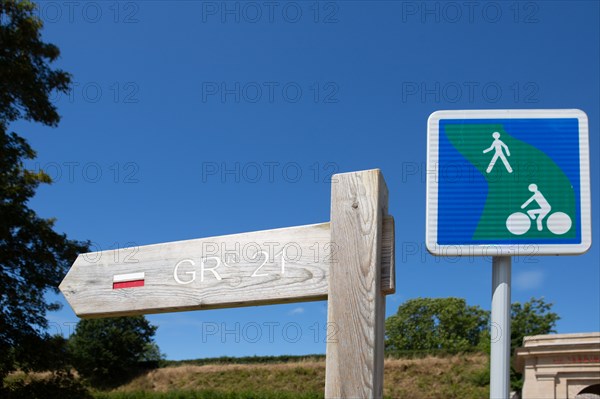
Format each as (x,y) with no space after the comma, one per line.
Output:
(349,261)
(272,266)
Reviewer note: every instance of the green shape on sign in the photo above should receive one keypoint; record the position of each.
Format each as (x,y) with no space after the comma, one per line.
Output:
(525,177)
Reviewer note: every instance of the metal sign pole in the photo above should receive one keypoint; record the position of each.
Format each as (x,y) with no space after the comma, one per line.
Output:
(500,334)
(518,210)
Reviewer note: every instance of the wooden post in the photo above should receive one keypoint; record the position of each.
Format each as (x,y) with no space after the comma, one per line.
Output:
(356,304)
(354,274)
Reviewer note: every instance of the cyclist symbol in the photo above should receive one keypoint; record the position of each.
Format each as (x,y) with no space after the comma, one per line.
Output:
(519,223)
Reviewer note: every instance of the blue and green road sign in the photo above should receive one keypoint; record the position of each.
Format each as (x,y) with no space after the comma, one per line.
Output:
(508,182)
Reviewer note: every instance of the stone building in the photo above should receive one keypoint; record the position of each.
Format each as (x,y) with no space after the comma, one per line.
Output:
(560,366)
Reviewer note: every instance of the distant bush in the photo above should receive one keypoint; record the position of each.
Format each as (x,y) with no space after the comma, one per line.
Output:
(242,360)
(435,324)
(57,386)
(107,352)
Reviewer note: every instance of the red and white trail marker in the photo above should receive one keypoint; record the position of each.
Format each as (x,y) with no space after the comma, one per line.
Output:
(129,280)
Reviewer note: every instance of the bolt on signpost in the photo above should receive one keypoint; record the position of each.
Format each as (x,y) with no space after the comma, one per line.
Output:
(349,261)
(505,183)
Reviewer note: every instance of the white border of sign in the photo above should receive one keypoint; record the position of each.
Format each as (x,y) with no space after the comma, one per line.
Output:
(506,250)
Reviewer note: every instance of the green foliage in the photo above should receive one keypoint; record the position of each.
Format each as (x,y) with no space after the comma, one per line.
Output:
(44,353)
(33,257)
(26,78)
(480,378)
(61,385)
(243,360)
(109,351)
(531,318)
(447,325)
(152,354)
(433,324)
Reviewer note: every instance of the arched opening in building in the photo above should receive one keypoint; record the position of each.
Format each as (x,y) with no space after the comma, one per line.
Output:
(591,392)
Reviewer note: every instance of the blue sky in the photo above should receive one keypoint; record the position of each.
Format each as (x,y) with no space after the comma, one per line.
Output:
(164,90)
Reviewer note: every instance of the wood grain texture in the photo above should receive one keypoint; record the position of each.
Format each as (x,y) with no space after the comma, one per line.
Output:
(388,256)
(356,303)
(88,287)
(249,273)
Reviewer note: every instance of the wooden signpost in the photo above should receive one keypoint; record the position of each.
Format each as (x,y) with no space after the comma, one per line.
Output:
(348,261)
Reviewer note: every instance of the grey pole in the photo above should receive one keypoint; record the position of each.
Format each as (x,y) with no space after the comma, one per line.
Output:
(500,328)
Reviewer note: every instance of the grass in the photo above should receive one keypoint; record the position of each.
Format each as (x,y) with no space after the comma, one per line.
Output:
(305,376)
(205,394)
(461,376)
(458,376)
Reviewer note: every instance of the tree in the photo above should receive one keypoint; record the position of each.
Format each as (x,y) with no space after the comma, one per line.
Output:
(107,351)
(429,324)
(531,318)
(33,257)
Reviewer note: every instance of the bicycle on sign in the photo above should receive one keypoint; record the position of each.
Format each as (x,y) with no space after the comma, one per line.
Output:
(519,223)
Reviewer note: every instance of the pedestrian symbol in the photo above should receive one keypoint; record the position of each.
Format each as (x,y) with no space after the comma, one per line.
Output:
(499,147)
(532,192)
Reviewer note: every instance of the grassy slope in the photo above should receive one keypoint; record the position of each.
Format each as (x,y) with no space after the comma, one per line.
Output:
(461,376)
